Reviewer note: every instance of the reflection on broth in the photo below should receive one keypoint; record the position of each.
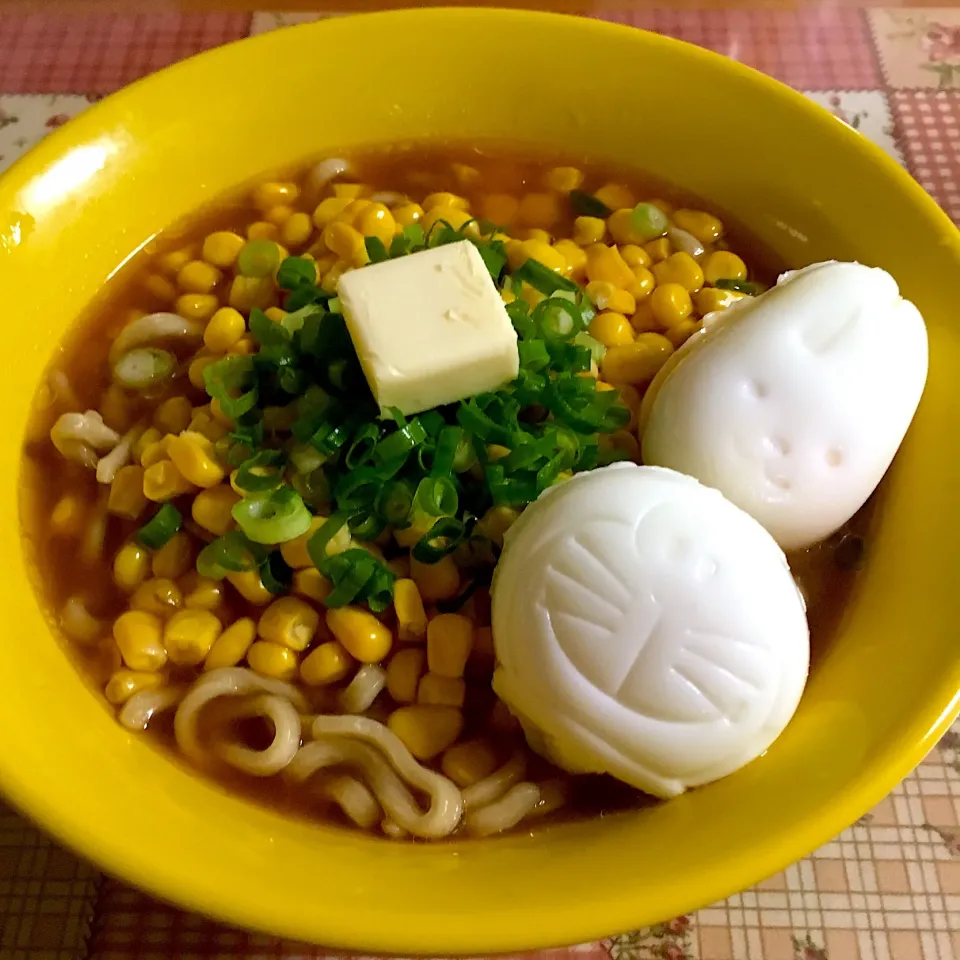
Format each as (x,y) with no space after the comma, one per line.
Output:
(177,527)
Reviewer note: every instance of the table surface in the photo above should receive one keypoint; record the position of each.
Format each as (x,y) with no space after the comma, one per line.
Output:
(888,888)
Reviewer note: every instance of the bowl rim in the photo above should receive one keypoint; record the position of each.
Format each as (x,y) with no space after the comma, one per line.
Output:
(341,930)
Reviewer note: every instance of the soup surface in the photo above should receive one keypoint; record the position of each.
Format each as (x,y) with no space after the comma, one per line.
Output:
(233,542)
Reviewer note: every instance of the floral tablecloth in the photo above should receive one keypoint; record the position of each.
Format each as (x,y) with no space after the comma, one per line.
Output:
(888,888)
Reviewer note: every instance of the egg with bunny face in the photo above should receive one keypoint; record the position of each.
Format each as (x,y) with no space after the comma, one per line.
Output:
(647,628)
(793,403)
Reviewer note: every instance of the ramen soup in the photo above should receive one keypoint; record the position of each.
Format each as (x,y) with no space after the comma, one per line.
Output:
(286,584)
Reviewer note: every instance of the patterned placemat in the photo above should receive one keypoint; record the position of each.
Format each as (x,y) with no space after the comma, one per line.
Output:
(888,888)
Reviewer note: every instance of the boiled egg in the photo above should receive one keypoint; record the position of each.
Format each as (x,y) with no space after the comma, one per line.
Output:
(647,628)
(793,403)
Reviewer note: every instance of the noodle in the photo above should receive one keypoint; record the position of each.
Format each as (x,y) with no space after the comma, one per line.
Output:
(492,788)
(363,689)
(354,799)
(91,548)
(286,736)
(519,801)
(139,710)
(78,623)
(155,326)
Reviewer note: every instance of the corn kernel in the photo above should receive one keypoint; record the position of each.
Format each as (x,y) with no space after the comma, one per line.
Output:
(160,288)
(643,283)
(250,586)
(225,328)
(125,683)
(192,453)
(67,516)
(681,332)
(201,593)
(328,663)
(404,671)
(232,645)
(196,306)
(212,508)
(611,329)
(658,249)
(449,641)
(679,268)
(671,304)
(589,230)
(426,731)
(346,242)
(198,276)
(173,415)
(163,481)
(634,255)
(174,558)
(130,566)
(606,296)
(605,263)
(222,248)
(616,196)
(296,554)
(116,409)
(448,200)
(139,638)
(126,498)
(623,228)
(245,346)
(454,216)
(156,596)
(704,226)
(311,583)
(377,221)
(408,605)
(496,522)
(469,762)
(724,265)
(249,292)
(574,257)
(196,368)
(279,214)
(623,442)
(539,210)
(263,230)
(296,230)
(436,581)
(149,436)
(189,636)
(272,660)
(636,362)
(328,210)
(274,192)
(441,691)
(361,633)
(563,179)
(710,299)
(499,208)
(464,174)
(172,262)
(349,190)
(290,622)
(407,214)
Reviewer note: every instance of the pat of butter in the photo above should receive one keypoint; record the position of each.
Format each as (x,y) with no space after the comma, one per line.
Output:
(429,328)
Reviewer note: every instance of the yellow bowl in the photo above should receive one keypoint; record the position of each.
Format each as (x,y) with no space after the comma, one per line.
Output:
(807,186)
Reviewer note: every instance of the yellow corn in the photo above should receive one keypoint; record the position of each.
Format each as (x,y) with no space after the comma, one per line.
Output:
(442,199)
(174,558)
(139,638)
(273,192)
(196,368)
(272,660)
(709,299)
(126,498)
(130,566)
(563,179)
(411,617)
(279,214)
(616,195)
(631,399)
(377,221)
(222,248)
(643,283)
(470,761)
(634,256)
(170,263)
(157,596)
(206,425)
(346,242)
(636,362)
(611,329)
(681,332)
(249,585)
(173,415)
(671,304)
(499,208)
(606,296)
(225,328)
(455,216)
(605,263)
(296,230)
(496,522)
(115,408)
(679,268)
(623,442)
(197,306)
(332,277)
(201,593)
(295,552)
(724,265)
(263,230)
(232,645)
(327,210)
(574,258)
(66,518)
(539,209)
(589,230)
(163,481)
(404,672)
(194,458)
(465,175)
(198,276)
(622,228)
(436,581)
(350,190)
(364,636)
(407,214)
(449,641)
(328,663)
(311,583)
(275,313)
(658,249)
(212,507)
(290,622)
(704,226)
(160,288)
(426,730)
(543,253)
(189,635)
(441,691)
(125,683)
(149,436)
(249,292)
(155,452)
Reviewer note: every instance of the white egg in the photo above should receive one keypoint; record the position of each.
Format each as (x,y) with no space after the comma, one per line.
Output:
(793,403)
(647,628)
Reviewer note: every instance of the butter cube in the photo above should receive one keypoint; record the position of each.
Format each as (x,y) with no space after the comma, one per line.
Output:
(429,328)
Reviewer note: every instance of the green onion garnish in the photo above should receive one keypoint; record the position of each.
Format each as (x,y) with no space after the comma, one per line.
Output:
(295,271)
(258,258)
(231,553)
(275,574)
(160,528)
(262,473)
(740,286)
(272,518)
(586,204)
(649,221)
(231,383)
(144,367)
(543,278)
(443,538)
(317,544)
(376,250)
(557,319)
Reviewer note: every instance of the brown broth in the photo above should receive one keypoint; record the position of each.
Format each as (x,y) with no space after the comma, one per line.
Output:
(81,359)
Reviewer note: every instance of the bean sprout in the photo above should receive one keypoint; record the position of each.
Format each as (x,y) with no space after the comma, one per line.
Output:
(363,689)
(149,329)
(329,169)
(78,623)
(119,456)
(80,436)
(685,241)
(91,548)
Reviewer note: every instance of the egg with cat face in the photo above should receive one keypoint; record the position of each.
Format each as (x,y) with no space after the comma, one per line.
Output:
(793,403)
(647,628)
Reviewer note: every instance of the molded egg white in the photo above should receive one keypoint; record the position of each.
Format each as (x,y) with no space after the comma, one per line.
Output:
(647,628)
(793,403)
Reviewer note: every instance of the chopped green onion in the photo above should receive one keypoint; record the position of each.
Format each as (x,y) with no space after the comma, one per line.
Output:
(258,258)
(447,445)
(295,320)
(740,286)
(144,367)
(442,538)
(394,503)
(357,575)
(466,456)
(273,518)
(317,544)
(294,271)
(596,348)
(533,354)
(494,256)
(276,574)
(160,528)
(305,458)
(232,384)
(231,553)
(362,446)
(543,278)
(649,221)
(400,442)
(262,473)
(436,497)
(557,319)
(586,204)
(376,250)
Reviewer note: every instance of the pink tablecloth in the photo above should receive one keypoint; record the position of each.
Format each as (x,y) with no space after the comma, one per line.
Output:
(888,888)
